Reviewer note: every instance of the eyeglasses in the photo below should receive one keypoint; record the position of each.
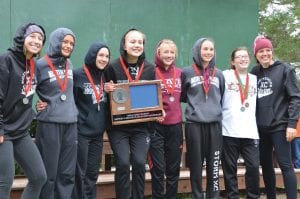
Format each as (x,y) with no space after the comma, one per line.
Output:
(241,57)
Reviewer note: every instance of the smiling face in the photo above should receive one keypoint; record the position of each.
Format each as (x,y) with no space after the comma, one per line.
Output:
(167,53)
(102,58)
(265,57)
(134,45)
(207,52)
(241,60)
(67,46)
(33,44)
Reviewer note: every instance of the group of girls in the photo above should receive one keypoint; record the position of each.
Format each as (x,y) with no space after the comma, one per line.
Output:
(221,110)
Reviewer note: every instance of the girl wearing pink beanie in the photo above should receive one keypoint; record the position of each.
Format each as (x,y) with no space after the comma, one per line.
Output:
(277,113)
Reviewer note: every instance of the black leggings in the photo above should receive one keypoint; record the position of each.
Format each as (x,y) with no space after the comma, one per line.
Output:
(282,148)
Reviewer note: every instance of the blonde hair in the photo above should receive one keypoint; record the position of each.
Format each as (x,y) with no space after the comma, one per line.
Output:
(168,42)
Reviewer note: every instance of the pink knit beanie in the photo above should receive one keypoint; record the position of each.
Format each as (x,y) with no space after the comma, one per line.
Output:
(261,42)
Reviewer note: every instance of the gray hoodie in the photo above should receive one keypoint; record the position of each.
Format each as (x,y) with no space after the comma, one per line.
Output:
(198,108)
(48,89)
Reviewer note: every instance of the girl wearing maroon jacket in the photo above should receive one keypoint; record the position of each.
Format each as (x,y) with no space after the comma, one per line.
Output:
(166,141)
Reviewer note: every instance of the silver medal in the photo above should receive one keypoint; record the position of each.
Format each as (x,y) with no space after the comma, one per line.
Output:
(98,107)
(172,98)
(243,109)
(63,97)
(25,100)
(246,104)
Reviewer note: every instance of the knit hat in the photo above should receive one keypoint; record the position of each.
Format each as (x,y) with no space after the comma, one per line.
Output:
(32,29)
(261,42)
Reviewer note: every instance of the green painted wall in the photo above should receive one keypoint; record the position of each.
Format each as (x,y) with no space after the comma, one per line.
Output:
(230,23)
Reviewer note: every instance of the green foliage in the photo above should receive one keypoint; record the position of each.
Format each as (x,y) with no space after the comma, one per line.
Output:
(282,27)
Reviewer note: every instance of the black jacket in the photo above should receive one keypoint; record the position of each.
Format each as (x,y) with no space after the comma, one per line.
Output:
(91,122)
(15,116)
(278,97)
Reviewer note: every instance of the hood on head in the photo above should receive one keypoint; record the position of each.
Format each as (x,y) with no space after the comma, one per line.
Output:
(56,39)
(196,53)
(123,53)
(90,57)
(158,62)
(19,38)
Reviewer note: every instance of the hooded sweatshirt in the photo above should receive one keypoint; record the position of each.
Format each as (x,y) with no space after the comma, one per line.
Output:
(198,108)
(15,116)
(91,122)
(278,97)
(114,72)
(172,108)
(48,88)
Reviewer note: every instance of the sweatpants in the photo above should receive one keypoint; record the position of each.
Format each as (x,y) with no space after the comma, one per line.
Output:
(204,142)
(130,148)
(249,149)
(164,159)
(25,152)
(58,147)
(89,152)
(282,148)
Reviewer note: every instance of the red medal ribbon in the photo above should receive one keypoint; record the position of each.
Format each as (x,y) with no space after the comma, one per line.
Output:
(243,89)
(31,72)
(63,86)
(170,89)
(206,83)
(97,94)
(125,69)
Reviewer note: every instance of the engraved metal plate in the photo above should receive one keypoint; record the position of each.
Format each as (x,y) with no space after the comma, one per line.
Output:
(120,96)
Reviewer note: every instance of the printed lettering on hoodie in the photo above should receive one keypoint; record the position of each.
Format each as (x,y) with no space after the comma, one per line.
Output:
(61,74)
(33,82)
(170,83)
(88,90)
(234,87)
(264,87)
(200,80)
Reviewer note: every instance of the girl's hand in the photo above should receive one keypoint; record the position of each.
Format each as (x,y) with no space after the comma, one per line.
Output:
(162,118)
(40,105)
(1,139)
(109,86)
(291,133)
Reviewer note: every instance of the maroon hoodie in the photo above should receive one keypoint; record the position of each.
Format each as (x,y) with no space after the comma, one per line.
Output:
(171,103)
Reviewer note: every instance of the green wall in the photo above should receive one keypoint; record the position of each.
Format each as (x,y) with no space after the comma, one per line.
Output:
(230,23)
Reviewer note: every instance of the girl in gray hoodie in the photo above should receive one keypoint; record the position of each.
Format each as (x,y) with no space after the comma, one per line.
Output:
(202,89)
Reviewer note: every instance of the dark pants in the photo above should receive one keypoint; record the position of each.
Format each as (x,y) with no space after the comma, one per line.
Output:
(164,158)
(204,142)
(296,152)
(24,151)
(130,148)
(282,148)
(89,152)
(58,147)
(249,149)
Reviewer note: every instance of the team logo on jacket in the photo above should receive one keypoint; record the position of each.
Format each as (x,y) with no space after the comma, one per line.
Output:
(61,74)
(200,80)
(88,90)
(264,87)
(25,82)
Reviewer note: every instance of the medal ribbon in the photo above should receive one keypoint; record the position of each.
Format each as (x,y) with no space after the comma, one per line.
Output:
(125,69)
(97,94)
(170,89)
(31,72)
(62,86)
(206,84)
(243,89)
